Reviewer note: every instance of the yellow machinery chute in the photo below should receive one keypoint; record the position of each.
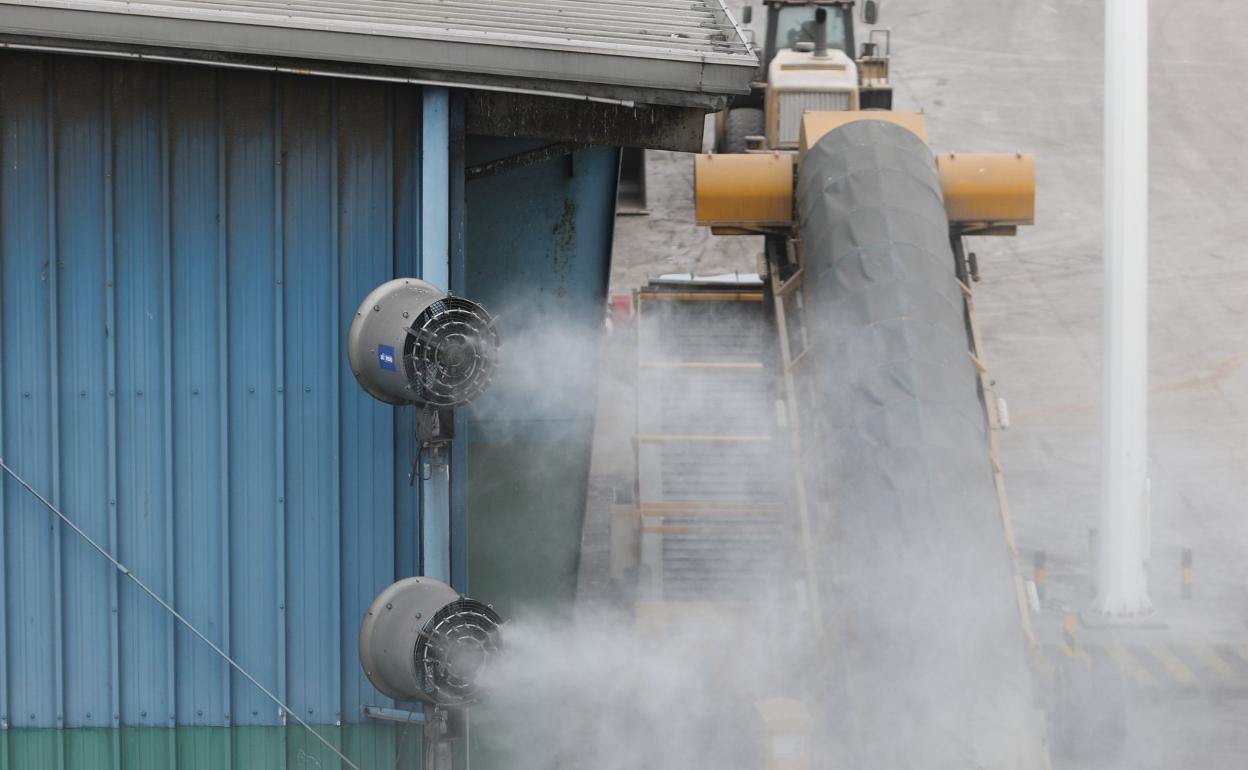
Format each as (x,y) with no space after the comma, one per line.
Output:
(748,193)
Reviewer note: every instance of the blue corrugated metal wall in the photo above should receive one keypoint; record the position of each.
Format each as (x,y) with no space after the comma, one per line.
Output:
(181,251)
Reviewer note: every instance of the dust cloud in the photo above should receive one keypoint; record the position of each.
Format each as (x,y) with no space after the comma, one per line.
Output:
(591,693)
(598,687)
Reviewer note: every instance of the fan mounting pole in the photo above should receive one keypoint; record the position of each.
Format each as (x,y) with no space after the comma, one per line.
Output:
(435,267)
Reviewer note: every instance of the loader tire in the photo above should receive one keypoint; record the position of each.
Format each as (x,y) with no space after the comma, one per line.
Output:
(1087,714)
(740,123)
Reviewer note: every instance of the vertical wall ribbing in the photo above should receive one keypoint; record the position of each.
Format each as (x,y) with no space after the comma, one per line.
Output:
(335,366)
(138,308)
(198,429)
(58,644)
(223,385)
(407,247)
(391,217)
(4,521)
(311,431)
(366,426)
(83,349)
(166,235)
(391,154)
(110,362)
(279,412)
(391,193)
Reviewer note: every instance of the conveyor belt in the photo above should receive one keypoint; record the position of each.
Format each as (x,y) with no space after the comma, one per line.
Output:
(873,481)
(912,566)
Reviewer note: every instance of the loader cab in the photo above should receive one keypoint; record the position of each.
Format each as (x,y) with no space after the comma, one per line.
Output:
(796,75)
(791,22)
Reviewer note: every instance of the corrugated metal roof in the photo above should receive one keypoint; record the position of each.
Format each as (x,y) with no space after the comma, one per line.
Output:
(690,46)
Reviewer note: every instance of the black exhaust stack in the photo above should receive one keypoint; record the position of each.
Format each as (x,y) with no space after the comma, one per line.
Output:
(821,32)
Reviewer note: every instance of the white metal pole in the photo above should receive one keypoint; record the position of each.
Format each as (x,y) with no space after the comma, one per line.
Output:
(1122,582)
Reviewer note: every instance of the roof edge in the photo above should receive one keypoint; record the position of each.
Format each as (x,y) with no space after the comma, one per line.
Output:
(705,80)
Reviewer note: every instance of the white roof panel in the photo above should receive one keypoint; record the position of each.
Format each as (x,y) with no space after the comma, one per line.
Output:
(688,46)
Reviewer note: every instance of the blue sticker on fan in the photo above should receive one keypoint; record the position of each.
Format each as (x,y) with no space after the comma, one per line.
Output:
(385,357)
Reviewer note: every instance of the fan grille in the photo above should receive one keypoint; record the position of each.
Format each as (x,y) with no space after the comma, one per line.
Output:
(450,353)
(453,649)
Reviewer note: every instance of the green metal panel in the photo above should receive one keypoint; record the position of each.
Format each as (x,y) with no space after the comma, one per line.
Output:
(91,748)
(538,255)
(526,519)
(146,748)
(539,260)
(40,747)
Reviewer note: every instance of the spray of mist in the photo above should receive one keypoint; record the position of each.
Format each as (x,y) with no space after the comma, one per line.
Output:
(597,688)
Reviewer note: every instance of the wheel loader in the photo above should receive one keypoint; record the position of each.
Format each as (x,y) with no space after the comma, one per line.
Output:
(807,62)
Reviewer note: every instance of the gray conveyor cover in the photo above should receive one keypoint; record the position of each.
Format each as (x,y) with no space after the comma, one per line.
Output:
(912,566)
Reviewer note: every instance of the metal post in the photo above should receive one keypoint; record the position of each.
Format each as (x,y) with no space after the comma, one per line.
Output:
(1123,585)
(1185,564)
(1039,572)
(435,267)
